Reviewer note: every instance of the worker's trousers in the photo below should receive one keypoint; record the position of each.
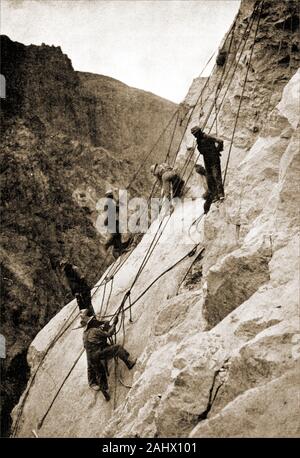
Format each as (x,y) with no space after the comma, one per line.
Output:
(214,178)
(84,301)
(97,363)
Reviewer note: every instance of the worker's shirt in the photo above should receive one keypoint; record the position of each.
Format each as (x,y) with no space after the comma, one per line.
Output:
(95,338)
(210,147)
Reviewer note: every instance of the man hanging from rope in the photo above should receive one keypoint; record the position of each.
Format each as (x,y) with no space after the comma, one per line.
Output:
(207,196)
(211,147)
(112,221)
(99,351)
(79,286)
(170,181)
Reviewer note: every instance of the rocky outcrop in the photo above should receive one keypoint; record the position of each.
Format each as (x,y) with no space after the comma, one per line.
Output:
(118,127)
(215,309)
(56,163)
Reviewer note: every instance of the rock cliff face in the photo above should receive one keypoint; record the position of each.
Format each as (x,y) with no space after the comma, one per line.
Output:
(56,162)
(215,309)
(115,111)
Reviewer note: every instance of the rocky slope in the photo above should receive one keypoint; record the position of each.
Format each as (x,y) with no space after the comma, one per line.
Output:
(56,162)
(116,107)
(216,329)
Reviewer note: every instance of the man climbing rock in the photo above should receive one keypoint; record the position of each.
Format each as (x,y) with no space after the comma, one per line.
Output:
(99,351)
(170,181)
(211,147)
(79,287)
(112,221)
(207,195)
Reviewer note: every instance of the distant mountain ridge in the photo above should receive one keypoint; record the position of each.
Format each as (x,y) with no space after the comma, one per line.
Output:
(62,145)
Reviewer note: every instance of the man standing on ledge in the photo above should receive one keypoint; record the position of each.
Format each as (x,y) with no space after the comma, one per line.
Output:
(210,148)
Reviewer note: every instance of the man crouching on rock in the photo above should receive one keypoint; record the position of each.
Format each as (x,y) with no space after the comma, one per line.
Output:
(99,351)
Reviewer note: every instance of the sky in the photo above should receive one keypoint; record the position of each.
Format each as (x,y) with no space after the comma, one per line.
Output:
(155,45)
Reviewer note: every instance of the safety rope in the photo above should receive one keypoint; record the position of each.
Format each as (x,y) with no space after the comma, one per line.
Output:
(62,331)
(244,41)
(149,252)
(144,292)
(154,241)
(146,157)
(105,281)
(98,286)
(266,117)
(172,138)
(40,424)
(189,254)
(242,94)
(124,310)
(220,85)
(242,45)
(200,96)
(189,269)
(206,85)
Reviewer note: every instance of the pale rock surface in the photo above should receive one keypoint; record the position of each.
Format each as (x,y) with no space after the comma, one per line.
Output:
(217,337)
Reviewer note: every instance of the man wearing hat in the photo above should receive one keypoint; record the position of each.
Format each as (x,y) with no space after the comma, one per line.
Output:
(211,147)
(99,351)
(78,285)
(171,183)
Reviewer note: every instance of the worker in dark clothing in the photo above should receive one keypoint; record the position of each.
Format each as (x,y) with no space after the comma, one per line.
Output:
(207,196)
(171,183)
(99,351)
(221,58)
(79,287)
(210,148)
(112,222)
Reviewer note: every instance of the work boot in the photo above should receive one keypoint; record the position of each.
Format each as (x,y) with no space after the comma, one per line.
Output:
(130,363)
(95,387)
(106,395)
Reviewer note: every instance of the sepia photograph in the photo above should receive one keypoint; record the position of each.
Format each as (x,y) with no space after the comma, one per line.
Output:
(150,195)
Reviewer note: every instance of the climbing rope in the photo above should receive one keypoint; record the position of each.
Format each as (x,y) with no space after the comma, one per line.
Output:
(172,138)
(148,154)
(244,41)
(242,94)
(242,45)
(40,424)
(152,246)
(206,85)
(266,117)
(189,269)
(154,240)
(219,87)
(109,276)
(124,309)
